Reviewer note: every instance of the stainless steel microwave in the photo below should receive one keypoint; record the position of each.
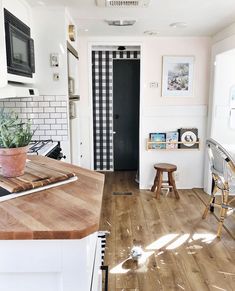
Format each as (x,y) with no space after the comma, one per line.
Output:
(19,46)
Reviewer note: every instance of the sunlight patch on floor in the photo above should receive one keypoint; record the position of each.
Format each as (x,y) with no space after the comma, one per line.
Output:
(161,242)
(218,288)
(177,243)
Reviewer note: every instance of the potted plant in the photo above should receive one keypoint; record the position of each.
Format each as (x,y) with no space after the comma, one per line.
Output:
(15,136)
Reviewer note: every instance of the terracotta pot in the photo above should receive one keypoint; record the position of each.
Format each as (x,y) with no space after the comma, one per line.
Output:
(13,161)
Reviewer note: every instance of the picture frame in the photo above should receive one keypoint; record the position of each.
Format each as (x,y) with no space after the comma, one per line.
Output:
(177,76)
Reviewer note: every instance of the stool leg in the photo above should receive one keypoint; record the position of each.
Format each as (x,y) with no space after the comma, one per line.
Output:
(159,184)
(172,183)
(155,183)
(169,182)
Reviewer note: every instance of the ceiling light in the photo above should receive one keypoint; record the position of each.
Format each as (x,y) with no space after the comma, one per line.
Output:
(121,22)
(178,25)
(86,29)
(151,32)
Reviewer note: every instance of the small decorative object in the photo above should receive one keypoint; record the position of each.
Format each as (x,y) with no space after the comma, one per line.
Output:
(14,139)
(72,32)
(189,136)
(172,138)
(136,253)
(177,79)
(158,137)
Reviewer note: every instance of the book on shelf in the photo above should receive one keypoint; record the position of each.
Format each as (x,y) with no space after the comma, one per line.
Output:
(172,137)
(190,137)
(157,137)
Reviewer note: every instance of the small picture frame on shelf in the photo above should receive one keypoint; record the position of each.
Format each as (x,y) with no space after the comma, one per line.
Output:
(188,138)
(157,137)
(172,138)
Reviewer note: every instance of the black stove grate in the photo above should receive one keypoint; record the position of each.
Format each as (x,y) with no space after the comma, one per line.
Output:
(36,145)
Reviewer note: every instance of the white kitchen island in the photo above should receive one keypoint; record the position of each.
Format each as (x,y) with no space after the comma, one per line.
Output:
(48,240)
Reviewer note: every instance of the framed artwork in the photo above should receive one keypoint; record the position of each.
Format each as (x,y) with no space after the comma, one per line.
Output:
(177,76)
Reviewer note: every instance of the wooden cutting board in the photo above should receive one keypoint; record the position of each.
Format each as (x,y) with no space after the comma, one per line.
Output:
(37,174)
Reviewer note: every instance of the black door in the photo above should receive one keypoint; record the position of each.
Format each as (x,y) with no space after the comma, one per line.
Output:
(126,91)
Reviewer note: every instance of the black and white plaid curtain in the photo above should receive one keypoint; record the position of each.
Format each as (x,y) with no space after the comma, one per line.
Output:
(102,85)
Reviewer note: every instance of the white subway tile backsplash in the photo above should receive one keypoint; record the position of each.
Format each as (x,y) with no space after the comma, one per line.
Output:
(25,99)
(22,115)
(50,132)
(55,104)
(27,110)
(61,98)
(33,115)
(38,110)
(45,126)
(17,110)
(38,98)
(61,109)
(38,121)
(48,115)
(50,109)
(61,121)
(43,104)
(56,126)
(40,132)
(50,121)
(20,104)
(49,98)
(55,115)
(32,104)
(10,104)
(61,132)
(44,115)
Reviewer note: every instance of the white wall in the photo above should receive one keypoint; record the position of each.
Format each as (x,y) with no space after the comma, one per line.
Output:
(222,42)
(224,80)
(158,113)
(51,37)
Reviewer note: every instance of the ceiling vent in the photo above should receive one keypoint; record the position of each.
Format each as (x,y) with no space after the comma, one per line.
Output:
(121,22)
(123,3)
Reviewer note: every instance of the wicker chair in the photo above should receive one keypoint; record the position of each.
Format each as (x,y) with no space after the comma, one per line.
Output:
(223,174)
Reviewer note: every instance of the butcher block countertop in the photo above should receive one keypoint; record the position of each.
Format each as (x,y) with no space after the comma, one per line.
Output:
(70,211)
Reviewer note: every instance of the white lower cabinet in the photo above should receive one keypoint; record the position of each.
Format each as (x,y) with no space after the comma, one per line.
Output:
(51,265)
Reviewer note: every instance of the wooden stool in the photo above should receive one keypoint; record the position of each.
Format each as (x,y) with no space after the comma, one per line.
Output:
(161,168)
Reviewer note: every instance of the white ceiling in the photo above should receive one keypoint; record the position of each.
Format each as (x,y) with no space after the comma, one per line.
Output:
(203,17)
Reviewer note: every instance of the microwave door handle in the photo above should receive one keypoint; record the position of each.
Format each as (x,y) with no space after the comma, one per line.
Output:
(31,55)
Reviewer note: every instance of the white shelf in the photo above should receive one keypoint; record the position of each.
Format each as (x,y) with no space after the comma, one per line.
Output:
(149,143)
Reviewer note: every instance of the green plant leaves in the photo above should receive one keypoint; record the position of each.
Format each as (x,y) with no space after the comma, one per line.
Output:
(13,132)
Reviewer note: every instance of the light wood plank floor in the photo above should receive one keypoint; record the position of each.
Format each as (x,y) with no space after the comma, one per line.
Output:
(229,222)
(180,249)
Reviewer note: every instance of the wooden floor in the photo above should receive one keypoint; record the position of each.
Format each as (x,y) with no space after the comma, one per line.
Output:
(229,222)
(181,251)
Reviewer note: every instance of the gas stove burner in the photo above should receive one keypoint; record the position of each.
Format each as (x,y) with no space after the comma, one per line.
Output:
(48,148)
(36,145)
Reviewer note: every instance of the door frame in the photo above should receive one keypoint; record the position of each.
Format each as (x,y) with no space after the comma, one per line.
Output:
(91,45)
